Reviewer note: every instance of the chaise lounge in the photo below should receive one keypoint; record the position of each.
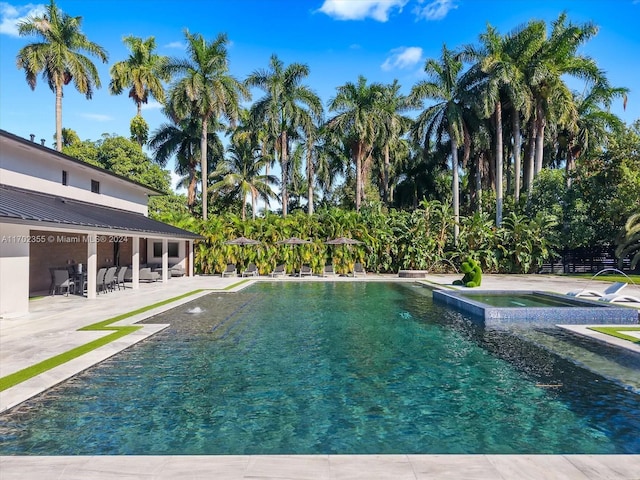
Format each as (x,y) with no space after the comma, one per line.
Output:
(612,289)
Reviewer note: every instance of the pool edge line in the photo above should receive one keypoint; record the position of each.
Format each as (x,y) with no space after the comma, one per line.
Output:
(27,373)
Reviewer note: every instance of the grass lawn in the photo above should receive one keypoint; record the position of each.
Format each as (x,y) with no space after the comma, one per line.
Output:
(617,332)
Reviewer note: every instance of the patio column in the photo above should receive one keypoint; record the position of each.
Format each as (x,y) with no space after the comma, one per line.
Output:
(92,264)
(165,260)
(190,273)
(135,263)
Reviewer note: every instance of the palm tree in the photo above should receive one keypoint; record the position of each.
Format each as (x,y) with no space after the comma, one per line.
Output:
(182,139)
(286,106)
(504,83)
(143,72)
(359,120)
(57,55)
(556,58)
(445,117)
(206,91)
(395,126)
(241,173)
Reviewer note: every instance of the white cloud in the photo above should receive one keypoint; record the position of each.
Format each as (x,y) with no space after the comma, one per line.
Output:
(404,57)
(11,15)
(179,45)
(436,10)
(361,9)
(152,105)
(98,117)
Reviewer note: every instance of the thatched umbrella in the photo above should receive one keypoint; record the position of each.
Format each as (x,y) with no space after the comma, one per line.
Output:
(343,241)
(242,241)
(294,241)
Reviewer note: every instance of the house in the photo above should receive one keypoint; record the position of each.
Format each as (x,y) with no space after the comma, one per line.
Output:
(57,211)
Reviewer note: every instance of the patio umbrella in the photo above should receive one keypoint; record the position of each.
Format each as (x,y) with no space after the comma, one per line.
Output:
(343,241)
(294,241)
(242,241)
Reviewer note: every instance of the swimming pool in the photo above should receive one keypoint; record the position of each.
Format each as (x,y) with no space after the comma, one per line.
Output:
(322,368)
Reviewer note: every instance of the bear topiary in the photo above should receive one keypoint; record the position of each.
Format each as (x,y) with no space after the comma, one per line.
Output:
(472,274)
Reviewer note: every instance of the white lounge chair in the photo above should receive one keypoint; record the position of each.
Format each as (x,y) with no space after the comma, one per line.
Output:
(328,270)
(610,290)
(358,269)
(230,270)
(279,270)
(616,297)
(305,270)
(251,271)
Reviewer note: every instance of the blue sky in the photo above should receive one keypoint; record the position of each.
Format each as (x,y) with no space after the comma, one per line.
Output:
(338,39)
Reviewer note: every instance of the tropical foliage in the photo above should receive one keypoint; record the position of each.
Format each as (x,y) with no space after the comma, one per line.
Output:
(492,153)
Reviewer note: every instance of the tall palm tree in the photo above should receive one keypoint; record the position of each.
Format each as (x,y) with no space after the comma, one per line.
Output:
(556,58)
(241,172)
(359,120)
(503,84)
(445,86)
(206,90)
(287,104)
(58,56)
(181,138)
(142,73)
(392,105)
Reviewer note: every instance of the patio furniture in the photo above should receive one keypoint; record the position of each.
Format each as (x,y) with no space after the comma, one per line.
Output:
(328,270)
(176,271)
(62,282)
(358,269)
(146,275)
(230,271)
(110,278)
(305,270)
(251,271)
(120,277)
(278,271)
(100,285)
(610,290)
(616,297)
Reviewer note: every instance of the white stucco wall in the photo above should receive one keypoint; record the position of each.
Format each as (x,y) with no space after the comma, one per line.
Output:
(14,270)
(30,168)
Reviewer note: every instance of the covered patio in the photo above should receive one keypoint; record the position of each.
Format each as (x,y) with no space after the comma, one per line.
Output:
(42,232)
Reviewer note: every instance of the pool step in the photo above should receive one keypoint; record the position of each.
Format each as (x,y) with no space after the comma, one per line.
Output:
(619,366)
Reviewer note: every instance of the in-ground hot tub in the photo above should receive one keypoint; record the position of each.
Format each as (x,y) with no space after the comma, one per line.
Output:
(499,307)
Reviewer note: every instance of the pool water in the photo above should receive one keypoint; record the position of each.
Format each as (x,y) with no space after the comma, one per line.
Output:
(327,368)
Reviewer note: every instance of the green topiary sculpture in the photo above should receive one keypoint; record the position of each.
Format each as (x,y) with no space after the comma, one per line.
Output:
(472,274)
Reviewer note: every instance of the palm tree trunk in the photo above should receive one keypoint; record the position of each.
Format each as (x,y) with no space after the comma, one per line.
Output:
(517,162)
(284,162)
(386,168)
(310,175)
(531,151)
(455,189)
(204,167)
(540,124)
(191,189)
(358,176)
(253,204)
(59,115)
(499,163)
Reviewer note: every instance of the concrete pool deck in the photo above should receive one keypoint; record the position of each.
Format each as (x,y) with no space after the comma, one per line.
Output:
(51,328)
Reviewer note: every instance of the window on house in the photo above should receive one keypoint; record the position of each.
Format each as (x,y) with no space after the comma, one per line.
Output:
(172,249)
(65,177)
(95,186)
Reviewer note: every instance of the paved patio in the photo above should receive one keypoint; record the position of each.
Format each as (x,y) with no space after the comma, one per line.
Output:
(51,329)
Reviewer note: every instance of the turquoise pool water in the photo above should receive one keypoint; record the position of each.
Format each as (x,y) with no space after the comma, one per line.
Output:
(327,368)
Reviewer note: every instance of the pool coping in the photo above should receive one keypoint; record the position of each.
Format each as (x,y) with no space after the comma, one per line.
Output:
(583,311)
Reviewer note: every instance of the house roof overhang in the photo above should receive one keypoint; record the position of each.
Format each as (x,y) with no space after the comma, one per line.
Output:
(40,210)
